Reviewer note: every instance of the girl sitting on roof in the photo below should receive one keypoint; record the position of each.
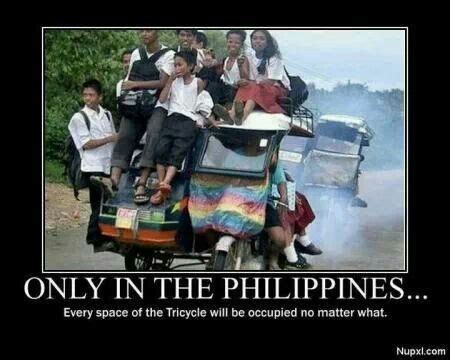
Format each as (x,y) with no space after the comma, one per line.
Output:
(267,85)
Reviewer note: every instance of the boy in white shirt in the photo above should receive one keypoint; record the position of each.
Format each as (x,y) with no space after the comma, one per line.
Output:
(181,93)
(132,130)
(95,142)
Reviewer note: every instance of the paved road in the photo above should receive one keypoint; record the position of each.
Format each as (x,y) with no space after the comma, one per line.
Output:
(374,240)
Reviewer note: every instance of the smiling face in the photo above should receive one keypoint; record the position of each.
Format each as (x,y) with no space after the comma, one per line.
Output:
(185,39)
(259,41)
(234,44)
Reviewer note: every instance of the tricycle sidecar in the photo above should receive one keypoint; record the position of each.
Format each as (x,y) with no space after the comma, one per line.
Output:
(230,159)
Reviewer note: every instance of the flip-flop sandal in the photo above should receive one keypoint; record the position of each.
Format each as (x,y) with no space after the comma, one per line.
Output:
(165,188)
(142,198)
(239,111)
(157,198)
(223,113)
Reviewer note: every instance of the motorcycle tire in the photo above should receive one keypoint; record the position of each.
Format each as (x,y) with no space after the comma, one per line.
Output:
(220,260)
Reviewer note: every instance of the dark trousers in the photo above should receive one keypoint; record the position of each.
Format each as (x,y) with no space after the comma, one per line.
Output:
(177,137)
(94,235)
(214,89)
(130,134)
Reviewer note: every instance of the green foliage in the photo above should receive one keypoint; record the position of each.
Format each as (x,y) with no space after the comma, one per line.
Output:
(54,172)
(72,57)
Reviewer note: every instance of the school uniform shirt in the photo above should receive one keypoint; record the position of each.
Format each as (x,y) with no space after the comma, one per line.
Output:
(203,107)
(274,69)
(165,63)
(98,159)
(232,76)
(183,98)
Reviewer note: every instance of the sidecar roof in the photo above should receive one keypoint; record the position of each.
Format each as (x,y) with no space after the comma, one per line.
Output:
(260,120)
(351,121)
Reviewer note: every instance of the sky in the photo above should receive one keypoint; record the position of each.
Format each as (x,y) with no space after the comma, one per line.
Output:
(372,57)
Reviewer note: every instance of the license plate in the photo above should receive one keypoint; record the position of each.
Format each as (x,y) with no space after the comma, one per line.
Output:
(126,218)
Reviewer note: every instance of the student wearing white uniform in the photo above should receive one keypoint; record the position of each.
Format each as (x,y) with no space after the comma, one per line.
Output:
(269,81)
(205,66)
(235,69)
(180,129)
(132,130)
(95,144)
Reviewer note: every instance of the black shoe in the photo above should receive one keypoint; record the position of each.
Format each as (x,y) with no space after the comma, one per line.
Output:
(311,249)
(300,264)
(358,202)
(105,246)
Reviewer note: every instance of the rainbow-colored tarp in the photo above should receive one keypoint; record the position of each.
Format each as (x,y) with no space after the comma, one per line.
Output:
(231,205)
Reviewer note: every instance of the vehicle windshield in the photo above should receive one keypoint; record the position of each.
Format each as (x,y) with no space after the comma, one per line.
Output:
(327,143)
(236,153)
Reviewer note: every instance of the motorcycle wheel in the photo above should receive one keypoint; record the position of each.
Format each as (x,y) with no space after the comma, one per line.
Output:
(232,259)
(220,258)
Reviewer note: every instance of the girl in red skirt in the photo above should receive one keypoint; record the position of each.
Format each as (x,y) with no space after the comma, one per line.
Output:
(268,81)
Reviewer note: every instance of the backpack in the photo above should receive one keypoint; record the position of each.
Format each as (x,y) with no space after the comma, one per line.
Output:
(72,160)
(299,90)
(139,103)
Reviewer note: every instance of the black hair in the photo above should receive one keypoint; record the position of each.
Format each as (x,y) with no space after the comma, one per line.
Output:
(192,31)
(189,56)
(127,52)
(201,38)
(93,84)
(241,33)
(270,50)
